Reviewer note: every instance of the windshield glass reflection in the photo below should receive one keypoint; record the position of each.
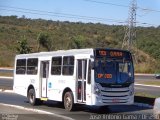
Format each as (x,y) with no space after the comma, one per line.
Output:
(113,71)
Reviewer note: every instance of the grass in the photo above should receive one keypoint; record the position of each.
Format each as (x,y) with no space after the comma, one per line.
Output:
(150,83)
(143,94)
(6,74)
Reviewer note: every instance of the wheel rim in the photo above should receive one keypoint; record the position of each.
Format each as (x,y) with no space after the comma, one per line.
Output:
(31,98)
(68,102)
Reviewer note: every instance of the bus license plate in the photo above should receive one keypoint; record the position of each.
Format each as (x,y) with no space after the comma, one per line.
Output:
(115,100)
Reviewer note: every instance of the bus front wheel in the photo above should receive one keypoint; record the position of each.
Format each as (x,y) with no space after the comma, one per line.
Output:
(68,101)
(32,97)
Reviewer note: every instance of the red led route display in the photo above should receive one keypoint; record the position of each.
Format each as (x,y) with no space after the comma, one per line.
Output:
(109,53)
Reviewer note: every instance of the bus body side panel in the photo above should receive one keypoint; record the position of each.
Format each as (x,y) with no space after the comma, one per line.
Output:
(57,84)
(22,83)
(34,81)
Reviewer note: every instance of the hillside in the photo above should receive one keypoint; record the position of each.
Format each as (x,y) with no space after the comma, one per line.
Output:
(67,35)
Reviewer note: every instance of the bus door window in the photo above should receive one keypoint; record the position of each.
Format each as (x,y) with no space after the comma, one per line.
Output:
(79,79)
(82,68)
(44,70)
(89,73)
(44,80)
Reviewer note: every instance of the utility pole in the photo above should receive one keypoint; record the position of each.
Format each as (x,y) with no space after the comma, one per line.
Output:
(129,40)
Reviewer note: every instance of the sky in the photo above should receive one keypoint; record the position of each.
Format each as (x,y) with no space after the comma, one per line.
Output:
(94,11)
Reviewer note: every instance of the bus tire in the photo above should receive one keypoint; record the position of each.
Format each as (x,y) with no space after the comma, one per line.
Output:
(68,101)
(32,97)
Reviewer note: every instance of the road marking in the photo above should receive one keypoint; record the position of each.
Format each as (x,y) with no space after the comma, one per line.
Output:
(38,111)
(4,77)
(148,85)
(7,91)
(140,74)
(5,68)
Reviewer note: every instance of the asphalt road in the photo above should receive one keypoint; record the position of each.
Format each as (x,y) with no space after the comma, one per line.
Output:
(145,77)
(6,83)
(81,112)
(12,113)
(153,91)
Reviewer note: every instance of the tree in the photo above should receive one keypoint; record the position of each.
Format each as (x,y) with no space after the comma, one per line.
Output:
(44,40)
(79,41)
(23,47)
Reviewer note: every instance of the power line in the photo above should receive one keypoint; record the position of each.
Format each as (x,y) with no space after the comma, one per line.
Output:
(39,12)
(94,1)
(64,15)
(120,5)
(150,10)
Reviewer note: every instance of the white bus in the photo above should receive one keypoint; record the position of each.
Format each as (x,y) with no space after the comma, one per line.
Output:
(96,77)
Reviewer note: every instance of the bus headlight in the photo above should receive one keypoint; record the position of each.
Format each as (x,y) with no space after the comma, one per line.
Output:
(97,90)
(131,89)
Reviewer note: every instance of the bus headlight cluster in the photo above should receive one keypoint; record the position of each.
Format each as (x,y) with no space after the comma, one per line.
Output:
(131,89)
(97,90)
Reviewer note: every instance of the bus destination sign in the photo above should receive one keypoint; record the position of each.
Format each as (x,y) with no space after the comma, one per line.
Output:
(110,53)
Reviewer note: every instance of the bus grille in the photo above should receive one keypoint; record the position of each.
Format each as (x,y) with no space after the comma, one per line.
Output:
(115,95)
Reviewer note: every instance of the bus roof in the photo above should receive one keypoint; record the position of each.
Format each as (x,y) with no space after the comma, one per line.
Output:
(64,52)
(57,53)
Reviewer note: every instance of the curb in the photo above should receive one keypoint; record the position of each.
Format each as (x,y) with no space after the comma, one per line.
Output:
(4,77)
(6,68)
(143,105)
(7,91)
(141,74)
(147,85)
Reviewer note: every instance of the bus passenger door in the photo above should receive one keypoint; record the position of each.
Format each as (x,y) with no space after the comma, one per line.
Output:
(81,80)
(44,77)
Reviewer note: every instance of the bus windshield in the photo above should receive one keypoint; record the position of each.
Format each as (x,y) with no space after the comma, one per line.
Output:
(114,70)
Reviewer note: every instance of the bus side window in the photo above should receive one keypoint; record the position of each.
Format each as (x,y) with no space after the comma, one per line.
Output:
(32,66)
(56,65)
(68,65)
(21,66)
